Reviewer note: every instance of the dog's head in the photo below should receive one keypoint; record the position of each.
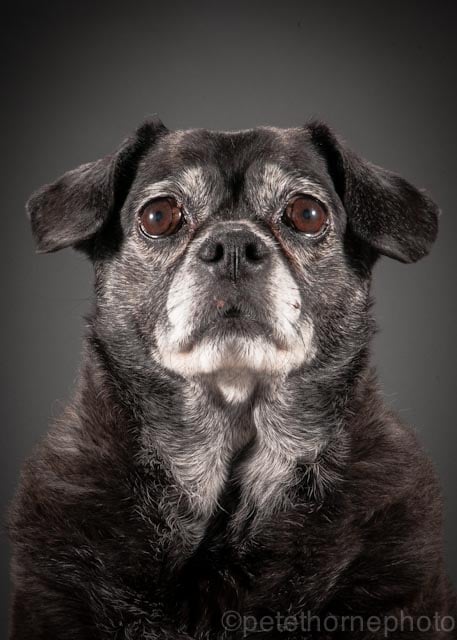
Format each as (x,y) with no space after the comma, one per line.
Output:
(228,256)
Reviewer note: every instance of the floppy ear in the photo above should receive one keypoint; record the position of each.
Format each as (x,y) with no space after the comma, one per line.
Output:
(383,209)
(70,211)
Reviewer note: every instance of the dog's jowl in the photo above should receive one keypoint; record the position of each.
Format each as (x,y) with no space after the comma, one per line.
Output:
(227,467)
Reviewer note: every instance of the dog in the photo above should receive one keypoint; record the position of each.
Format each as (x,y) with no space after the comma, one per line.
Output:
(227,467)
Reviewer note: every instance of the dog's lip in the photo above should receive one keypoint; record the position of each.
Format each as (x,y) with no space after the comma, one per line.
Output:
(240,323)
(229,327)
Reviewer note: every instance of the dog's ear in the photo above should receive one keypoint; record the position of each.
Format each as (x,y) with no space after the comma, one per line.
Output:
(70,211)
(383,209)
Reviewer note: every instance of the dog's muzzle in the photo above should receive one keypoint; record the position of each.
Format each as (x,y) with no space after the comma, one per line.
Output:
(233,305)
(235,254)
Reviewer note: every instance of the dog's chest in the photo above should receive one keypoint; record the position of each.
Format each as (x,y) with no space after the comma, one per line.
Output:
(239,512)
(286,563)
(257,450)
(258,564)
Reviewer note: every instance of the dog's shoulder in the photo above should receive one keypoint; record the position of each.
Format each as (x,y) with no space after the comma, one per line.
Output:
(75,519)
(388,462)
(394,495)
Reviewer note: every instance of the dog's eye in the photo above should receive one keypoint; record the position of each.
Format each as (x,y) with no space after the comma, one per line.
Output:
(307,215)
(160,217)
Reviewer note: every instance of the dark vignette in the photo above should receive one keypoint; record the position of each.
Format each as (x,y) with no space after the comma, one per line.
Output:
(77,77)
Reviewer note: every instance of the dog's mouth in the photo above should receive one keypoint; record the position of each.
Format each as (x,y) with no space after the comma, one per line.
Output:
(234,335)
(233,319)
(232,323)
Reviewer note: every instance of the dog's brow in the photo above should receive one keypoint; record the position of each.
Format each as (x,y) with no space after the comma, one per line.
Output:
(195,183)
(270,184)
(267,186)
(155,190)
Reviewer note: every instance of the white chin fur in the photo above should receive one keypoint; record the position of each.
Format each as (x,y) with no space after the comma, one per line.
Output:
(235,385)
(235,362)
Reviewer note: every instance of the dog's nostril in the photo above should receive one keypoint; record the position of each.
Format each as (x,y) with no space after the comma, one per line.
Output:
(212,252)
(234,254)
(252,252)
(218,253)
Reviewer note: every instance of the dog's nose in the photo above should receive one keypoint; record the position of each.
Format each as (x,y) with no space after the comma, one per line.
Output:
(234,253)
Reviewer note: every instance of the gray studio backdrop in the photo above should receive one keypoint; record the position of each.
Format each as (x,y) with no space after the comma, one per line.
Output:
(78,77)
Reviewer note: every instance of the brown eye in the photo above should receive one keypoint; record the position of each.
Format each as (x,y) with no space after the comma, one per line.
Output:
(307,215)
(160,217)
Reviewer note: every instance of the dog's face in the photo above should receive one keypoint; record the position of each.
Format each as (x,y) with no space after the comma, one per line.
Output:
(233,257)
(233,248)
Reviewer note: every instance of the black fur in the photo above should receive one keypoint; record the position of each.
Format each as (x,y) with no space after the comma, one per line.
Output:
(107,542)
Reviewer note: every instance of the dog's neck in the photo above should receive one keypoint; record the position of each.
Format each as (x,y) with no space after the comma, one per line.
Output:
(207,441)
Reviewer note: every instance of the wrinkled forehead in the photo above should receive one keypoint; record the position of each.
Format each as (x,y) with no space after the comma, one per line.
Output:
(253,169)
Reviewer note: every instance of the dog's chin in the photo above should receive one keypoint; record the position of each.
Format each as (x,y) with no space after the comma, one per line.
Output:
(234,361)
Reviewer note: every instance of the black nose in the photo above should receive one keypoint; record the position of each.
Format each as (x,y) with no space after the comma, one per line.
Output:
(235,253)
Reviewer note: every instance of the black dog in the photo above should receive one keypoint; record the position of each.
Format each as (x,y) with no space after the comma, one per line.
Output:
(227,466)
